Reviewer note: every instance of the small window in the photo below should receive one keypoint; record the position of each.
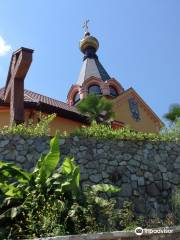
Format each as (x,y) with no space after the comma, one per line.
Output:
(76,98)
(113,91)
(94,89)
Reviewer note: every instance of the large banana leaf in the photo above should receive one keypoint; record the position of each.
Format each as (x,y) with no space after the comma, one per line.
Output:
(35,176)
(39,164)
(76,178)
(67,166)
(10,170)
(10,190)
(73,172)
(50,161)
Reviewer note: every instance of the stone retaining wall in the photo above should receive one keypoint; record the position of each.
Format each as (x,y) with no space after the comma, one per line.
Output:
(23,151)
(147,172)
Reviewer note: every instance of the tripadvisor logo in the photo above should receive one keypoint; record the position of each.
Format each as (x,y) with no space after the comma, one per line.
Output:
(139,231)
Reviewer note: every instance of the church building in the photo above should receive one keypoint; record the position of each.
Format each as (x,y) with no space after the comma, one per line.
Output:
(20,105)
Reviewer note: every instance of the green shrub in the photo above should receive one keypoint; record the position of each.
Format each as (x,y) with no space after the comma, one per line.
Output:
(126,215)
(39,129)
(128,220)
(49,201)
(173,131)
(101,131)
(176,204)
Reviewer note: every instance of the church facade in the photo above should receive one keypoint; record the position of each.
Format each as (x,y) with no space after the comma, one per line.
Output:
(20,105)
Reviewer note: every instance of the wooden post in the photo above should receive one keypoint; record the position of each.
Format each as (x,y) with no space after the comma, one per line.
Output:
(17,102)
(14,89)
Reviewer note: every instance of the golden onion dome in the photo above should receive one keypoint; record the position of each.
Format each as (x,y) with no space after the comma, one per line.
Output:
(88,42)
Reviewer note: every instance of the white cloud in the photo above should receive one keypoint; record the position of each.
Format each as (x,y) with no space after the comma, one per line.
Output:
(4,47)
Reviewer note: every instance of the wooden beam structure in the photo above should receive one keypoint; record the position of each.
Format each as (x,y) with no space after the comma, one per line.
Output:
(14,89)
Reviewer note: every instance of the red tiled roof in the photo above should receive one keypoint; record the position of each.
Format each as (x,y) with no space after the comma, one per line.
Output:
(32,97)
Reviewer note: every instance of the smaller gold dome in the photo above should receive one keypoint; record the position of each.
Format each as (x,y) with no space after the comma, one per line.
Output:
(88,41)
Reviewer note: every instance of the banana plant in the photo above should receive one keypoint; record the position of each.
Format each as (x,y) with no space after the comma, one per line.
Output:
(17,185)
(52,181)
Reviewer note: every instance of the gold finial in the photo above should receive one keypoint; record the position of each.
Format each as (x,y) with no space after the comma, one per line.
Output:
(85,26)
(88,41)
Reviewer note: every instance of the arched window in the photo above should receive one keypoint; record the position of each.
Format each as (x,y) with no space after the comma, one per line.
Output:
(76,98)
(94,89)
(113,91)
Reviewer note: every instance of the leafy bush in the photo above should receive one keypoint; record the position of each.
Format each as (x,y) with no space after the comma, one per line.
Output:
(176,204)
(128,220)
(126,215)
(101,131)
(173,131)
(49,201)
(168,221)
(39,129)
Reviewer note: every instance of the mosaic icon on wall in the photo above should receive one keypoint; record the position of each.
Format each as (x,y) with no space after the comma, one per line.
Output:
(133,105)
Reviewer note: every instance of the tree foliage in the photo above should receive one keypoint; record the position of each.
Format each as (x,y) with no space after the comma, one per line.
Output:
(173,114)
(98,108)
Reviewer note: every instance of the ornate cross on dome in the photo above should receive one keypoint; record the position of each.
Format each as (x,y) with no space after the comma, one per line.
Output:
(85,26)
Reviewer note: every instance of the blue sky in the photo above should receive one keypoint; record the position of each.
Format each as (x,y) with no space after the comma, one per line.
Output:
(139,44)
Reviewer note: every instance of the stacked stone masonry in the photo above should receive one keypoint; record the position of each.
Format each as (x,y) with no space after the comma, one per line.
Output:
(147,172)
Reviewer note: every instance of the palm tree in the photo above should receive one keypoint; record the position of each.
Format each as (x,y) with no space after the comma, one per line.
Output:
(98,108)
(174,113)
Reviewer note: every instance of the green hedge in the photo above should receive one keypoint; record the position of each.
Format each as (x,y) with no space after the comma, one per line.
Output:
(39,129)
(101,131)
